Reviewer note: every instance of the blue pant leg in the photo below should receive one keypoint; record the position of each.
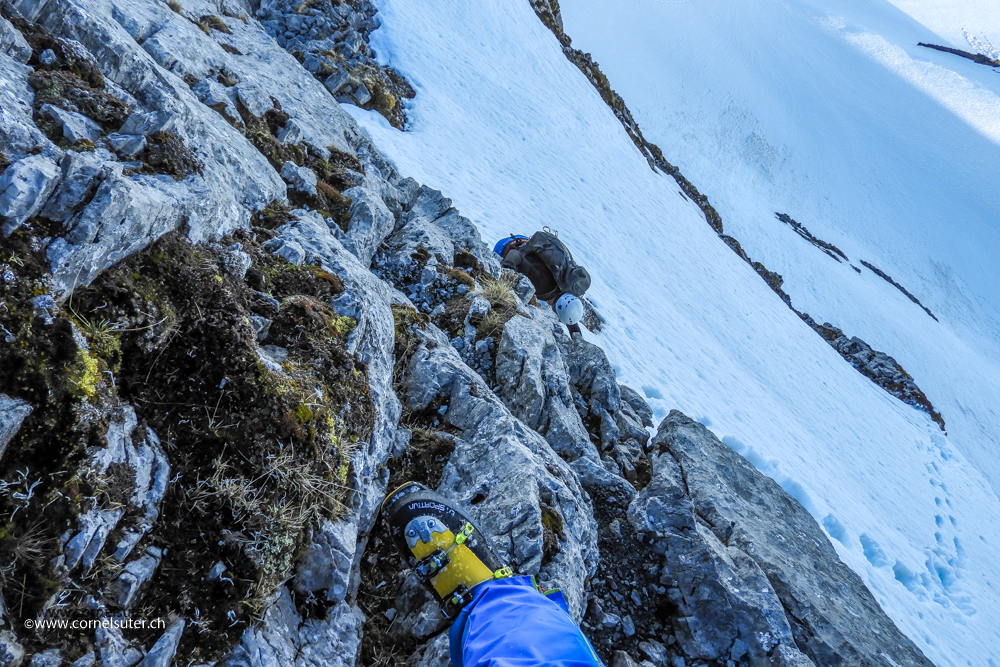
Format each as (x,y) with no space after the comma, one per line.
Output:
(509,623)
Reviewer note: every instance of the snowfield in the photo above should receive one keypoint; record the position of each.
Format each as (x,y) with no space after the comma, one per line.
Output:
(830,114)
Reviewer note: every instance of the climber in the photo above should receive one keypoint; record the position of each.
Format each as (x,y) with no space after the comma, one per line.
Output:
(548,264)
(498,619)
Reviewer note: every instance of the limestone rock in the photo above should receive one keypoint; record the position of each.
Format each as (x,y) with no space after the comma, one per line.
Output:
(236,179)
(654,651)
(594,477)
(125,146)
(13,43)
(337,81)
(93,529)
(50,658)
(753,569)
(75,127)
(789,656)
(299,178)
(708,575)
(216,96)
(534,383)
(524,289)
(418,611)
(416,233)
(593,378)
(262,326)
(44,307)
(326,564)
(283,638)
(434,653)
(123,590)
(113,649)
(332,42)
(623,659)
(81,174)
(877,366)
(162,652)
(47,57)
(24,188)
(13,412)
(432,205)
(254,98)
(18,133)
(124,216)
(11,652)
(291,133)
(430,227)
(86,660)
(371,222)
(236,262)
(145,124)
(638,404)
(151,473)
(508,477)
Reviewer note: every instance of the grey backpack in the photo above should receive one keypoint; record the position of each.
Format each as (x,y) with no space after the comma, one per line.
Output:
(570,276)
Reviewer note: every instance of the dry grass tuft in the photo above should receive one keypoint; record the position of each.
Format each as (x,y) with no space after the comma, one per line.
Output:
(209,23)
(271,510)
(500,291)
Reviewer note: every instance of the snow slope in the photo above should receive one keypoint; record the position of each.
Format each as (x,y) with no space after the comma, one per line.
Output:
(512,131)
(833,115)
(970,25)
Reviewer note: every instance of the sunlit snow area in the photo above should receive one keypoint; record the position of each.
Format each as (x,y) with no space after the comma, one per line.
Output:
(826,111)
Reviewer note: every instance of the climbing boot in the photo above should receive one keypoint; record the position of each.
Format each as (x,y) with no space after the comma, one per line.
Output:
(443,545)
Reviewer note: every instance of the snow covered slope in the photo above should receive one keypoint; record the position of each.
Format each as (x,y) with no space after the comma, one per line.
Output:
(836,117)
(970,25)
(515,134)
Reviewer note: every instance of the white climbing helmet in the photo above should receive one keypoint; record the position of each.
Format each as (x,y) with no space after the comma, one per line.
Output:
(569,309)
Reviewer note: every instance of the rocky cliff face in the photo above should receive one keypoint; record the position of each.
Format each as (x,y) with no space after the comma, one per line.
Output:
(229,324)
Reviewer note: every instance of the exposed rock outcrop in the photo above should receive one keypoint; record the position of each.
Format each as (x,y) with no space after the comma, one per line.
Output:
(522,492)
(974,57)
(331,41)
(828,248)
(534,382)
(12,413)
(748,566)
(229,323)
(877,366)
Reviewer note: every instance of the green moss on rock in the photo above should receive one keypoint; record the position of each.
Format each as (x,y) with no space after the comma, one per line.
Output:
(259,453)
(68,91)
(331,174)
(165,153)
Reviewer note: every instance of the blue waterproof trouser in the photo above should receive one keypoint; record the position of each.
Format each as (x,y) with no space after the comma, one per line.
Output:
(509,623)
